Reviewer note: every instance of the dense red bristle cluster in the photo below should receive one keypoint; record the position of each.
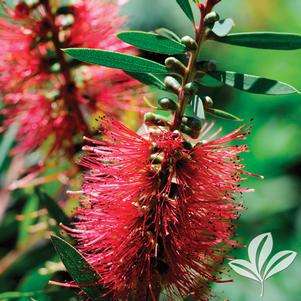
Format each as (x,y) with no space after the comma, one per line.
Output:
(147,226)
(30,67)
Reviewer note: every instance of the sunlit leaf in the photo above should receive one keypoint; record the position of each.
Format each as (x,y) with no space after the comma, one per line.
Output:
(17,295)
(253,84)
(28,219)
(148,79)
(52,206)
(279,262)
(184,4)
(116,60)
(79,269)
(222,27)
(264,40)
(164,32)
(244,268)
(7,142)
(222,114)
(152,42)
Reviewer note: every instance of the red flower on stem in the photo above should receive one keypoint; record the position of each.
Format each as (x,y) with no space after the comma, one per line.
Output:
(31,59)
(158,212)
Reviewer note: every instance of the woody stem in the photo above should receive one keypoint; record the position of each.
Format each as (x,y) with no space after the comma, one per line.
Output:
(183,98)
(68,89)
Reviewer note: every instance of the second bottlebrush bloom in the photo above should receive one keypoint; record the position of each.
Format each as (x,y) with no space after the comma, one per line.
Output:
(33,66)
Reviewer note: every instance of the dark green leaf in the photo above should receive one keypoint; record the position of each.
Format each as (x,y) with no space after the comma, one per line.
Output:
(252,83)
(222,114)
(148,79)
(52,206)
(152,42)
(223,27)
(116,60)
(184,4)
(79,269)
(164,32)
(264,40)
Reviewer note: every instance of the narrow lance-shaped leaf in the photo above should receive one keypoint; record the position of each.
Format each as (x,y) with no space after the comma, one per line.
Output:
(222,114)
(116,60)
(148,79)
(164,32)
(7,142)
(264,40)
(28,219)
(184,4)
(79,269)
(253,84)
(152,42)
(53,208)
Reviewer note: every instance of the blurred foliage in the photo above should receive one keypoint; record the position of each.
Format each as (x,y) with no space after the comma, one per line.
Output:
(275,153)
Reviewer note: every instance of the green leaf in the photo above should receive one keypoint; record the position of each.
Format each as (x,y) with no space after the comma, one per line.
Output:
(17,295)
(196,107)
(30,207)
(116,60)
(7,142)
(222,27)
(184,4)
(253,84)
(264,40)
(152,42)
(79,269)
(222,114)
(164,32)
(54,210)
(148,79)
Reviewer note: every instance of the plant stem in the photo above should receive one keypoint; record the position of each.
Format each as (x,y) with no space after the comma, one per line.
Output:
(68,89)
(183,99)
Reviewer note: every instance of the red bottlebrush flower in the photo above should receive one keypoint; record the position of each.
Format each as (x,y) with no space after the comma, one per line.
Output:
(17,62)
(31,60)
(96,26)
(32,113)
(158,212)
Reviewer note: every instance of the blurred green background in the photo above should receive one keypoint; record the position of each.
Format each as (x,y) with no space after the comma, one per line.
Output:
(275,142)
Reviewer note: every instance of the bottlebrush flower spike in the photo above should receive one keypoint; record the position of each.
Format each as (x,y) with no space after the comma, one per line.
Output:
(31,59)
(158,213)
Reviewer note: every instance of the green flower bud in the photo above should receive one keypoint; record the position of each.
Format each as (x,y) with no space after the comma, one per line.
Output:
(175,66)
(191,88)
(206,66)
(207,101)
(189,42)
(211,18)
(193,122)
(154,119)
(172,84)
(167,104)
(156,159)
(190,132)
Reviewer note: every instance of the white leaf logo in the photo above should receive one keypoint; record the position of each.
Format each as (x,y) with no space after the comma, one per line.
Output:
(259,267)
